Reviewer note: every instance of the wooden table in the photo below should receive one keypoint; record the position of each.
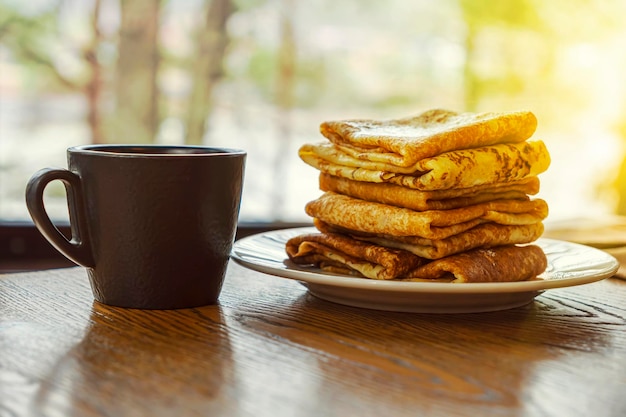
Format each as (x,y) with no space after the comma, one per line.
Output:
(271,349)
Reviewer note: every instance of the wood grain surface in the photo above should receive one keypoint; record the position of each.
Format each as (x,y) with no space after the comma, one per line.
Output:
(271,349)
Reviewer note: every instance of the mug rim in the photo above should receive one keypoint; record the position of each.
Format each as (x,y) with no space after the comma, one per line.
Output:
(142,150)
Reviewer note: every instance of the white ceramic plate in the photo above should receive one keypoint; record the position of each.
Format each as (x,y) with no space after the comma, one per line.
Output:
(569,264)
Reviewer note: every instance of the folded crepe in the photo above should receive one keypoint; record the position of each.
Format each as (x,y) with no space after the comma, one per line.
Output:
(370,217)
(404,142)
(499,264)
(464,168)
(340,253)
(485,235)
(399,196)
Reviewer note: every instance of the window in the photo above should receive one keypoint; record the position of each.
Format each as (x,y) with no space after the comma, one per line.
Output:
(262,74)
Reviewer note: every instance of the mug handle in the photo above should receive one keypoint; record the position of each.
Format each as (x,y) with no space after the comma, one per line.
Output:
(77,249)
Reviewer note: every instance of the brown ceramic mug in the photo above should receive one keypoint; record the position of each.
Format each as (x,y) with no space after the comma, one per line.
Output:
(154,225)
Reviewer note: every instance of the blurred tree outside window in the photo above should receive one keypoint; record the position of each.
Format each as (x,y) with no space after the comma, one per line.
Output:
(263,74)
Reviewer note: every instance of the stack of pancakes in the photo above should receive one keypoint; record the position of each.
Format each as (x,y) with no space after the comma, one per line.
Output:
(440,196)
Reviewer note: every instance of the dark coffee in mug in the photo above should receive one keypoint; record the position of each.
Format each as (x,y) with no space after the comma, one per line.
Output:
(154,225)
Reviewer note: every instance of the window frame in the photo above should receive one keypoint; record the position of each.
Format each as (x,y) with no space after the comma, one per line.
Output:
(23,247)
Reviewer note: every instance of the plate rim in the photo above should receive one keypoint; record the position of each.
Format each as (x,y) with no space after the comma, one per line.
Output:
(318,277)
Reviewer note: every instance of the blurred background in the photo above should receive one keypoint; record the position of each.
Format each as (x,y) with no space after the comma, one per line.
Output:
(263,74)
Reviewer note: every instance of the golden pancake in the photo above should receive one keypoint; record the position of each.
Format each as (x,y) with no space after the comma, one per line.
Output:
(404,142)
(455,169)
(341,254)
(500,264)
(376,218)
(485,235)
(399,196)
